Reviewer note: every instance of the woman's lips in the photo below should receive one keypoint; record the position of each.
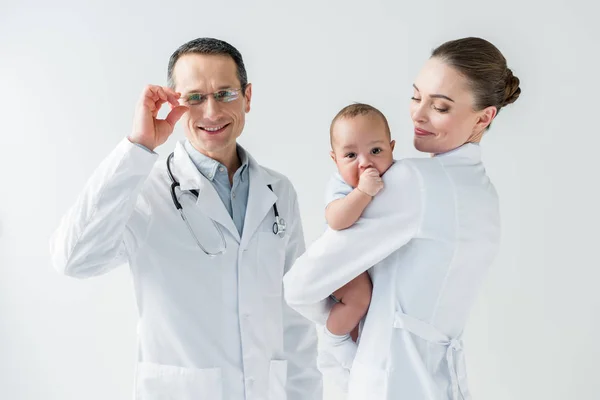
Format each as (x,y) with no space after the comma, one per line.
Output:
(422,132)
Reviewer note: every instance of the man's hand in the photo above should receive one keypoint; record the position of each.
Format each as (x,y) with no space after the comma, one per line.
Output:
(370,182)
(147,130)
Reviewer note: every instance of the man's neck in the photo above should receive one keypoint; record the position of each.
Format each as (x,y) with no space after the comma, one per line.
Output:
(228,157)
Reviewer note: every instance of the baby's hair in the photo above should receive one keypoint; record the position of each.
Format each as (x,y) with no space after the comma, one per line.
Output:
(354,110)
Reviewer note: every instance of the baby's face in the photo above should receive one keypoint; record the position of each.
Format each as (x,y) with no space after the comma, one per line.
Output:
(359,143)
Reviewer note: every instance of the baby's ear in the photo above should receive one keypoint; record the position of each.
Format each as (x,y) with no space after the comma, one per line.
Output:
(392,144)
(332,155)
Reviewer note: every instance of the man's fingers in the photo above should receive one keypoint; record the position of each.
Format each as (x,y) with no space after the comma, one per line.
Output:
(161,94)
(171,92)
(175,115)
(173,99)
(167,95)
(172,96)
(151,91)
(149,103)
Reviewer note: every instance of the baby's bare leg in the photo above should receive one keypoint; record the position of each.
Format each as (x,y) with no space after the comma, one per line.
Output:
(354,298)
(344,317)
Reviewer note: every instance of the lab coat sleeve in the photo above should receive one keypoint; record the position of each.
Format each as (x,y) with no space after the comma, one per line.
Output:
(388,223)
(304,381)
(99,231)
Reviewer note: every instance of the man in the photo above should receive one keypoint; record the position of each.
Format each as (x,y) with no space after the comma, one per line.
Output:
(205,240)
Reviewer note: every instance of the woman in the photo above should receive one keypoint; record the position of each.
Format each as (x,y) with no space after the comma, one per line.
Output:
(432,232)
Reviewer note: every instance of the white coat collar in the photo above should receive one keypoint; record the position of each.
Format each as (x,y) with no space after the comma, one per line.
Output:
(260,200)
(260,197)
(470,151)
(185,171)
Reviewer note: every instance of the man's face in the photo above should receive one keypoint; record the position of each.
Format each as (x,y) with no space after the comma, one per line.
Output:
(211,125)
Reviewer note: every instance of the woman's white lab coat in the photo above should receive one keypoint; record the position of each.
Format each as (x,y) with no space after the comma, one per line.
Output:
(209,328)
(431,235)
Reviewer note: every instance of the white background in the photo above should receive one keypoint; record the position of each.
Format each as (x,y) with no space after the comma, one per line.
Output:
(70,75)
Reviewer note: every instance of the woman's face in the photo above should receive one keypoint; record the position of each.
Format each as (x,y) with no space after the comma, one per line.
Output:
(442,109)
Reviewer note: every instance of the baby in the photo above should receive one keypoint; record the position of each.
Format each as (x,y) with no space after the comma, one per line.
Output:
(362,151)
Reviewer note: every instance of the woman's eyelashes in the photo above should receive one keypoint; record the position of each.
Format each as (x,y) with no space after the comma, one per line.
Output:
(438,109)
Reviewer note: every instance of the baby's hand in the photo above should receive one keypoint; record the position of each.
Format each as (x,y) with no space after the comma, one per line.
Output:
(370,182)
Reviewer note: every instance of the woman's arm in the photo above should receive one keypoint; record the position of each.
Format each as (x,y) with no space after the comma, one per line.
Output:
(337,257)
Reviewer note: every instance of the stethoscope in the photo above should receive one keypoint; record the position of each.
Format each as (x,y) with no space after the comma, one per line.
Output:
(279,226)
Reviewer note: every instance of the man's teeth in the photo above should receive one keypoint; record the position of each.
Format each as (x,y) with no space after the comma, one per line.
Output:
(213,129)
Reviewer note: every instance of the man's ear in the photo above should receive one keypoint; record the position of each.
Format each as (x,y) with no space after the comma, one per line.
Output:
(248,96)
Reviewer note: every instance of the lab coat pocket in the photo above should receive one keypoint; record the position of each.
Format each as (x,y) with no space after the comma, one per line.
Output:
(168,382)
(367,382)
(270,263)
(278,380)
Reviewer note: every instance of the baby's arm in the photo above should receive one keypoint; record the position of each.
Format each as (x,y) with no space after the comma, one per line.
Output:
(344,212)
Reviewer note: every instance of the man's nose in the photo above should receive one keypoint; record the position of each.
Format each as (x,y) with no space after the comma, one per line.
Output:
(211,108)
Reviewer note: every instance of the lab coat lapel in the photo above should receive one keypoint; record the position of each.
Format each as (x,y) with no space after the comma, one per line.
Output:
(209,201)
(260,200)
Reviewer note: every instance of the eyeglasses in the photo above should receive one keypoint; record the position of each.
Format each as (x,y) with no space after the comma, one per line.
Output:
(222,96)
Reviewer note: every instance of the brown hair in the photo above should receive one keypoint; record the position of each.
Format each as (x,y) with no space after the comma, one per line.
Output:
(484,66)
(208,46)
(355,109)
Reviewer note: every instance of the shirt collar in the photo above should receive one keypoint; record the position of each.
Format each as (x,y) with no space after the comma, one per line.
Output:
(209,167)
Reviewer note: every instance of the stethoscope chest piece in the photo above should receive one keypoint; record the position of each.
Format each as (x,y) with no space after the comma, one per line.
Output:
(279,226)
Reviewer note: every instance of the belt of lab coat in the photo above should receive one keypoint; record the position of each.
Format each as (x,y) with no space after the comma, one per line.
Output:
(454,349)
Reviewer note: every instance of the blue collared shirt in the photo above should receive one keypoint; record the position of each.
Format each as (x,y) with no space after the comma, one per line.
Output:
(234,197)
